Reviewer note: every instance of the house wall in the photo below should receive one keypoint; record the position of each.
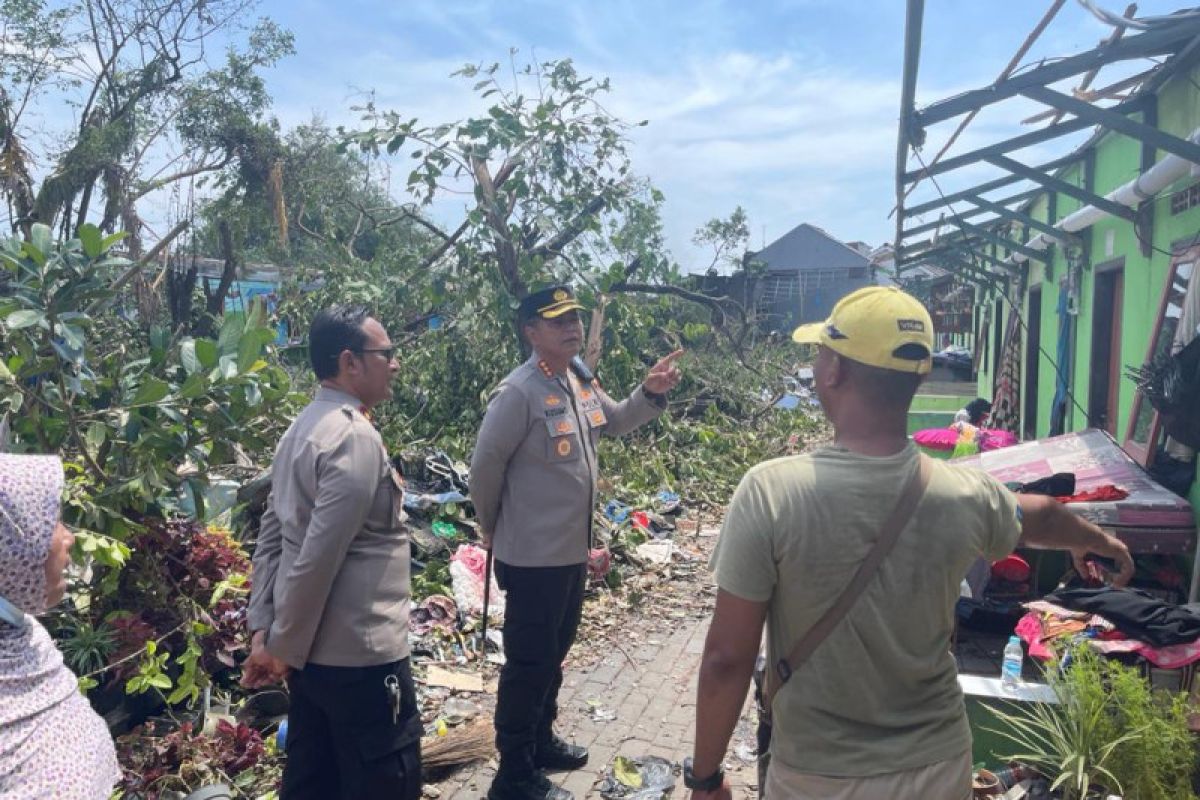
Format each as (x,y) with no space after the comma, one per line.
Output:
(1116,159)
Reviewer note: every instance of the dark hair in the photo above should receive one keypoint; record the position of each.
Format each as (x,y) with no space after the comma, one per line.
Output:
(333,330)
(976,409)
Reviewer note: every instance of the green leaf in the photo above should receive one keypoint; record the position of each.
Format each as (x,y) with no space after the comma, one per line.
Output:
(231,334)
(42,238)
(207,352)
(97,432)
(24,319)
(627,773)
(150,392)
(188,357)
(90,238)
(112,239)
(194,386)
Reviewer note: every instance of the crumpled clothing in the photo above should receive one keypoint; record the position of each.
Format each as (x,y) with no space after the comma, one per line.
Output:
(1101,494)
(436,611)
(1139,614)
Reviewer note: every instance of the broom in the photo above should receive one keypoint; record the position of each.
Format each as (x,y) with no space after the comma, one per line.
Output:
(460,746)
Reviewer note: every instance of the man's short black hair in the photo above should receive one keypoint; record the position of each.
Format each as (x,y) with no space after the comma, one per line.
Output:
(333,330)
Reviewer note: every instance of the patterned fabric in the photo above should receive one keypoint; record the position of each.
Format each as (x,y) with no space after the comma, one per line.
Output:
(1006,399)
(52,744)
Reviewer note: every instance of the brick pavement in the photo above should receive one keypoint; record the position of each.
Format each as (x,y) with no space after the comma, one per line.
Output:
(650,684)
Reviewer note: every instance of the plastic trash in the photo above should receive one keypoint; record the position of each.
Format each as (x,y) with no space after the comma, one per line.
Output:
(646,778)
(466,579)
(616,511)
(458,710)
(666,502)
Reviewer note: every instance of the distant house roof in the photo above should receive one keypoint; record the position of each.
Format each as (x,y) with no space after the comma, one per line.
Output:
(807,247)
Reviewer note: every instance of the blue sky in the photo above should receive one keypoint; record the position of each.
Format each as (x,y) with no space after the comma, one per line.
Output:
(787,108)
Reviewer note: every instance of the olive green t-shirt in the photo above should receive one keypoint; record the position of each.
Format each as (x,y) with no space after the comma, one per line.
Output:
(880,694)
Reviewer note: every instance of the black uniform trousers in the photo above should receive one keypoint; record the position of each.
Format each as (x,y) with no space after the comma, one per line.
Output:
(342,741)
(542,609)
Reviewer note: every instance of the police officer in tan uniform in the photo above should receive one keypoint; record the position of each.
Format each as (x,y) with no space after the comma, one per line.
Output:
(330,599)
(533,485)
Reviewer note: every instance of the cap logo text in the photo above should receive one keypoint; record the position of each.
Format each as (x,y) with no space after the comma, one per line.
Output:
(911,325)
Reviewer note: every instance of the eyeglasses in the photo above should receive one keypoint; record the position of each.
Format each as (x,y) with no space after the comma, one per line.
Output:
(387,352)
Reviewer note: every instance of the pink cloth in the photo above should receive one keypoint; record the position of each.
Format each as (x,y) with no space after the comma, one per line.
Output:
(946,438)
(52,744)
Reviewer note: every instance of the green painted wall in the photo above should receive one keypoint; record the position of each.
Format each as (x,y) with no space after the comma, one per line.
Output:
(1117,159)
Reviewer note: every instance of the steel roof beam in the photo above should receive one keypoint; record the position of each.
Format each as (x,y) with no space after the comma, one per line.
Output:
(1059,185)
(1008,244)
(1024,219)
(991,185)
(1110,119)
(1016,143)
(1163,40)
(972,212)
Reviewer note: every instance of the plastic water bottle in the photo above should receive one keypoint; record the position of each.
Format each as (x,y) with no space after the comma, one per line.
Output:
(1010,673)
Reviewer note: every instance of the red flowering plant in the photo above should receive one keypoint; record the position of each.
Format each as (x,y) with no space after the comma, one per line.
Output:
(190,585)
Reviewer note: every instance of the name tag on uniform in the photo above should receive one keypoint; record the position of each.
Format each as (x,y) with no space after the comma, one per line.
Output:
(557,411)
(560,426)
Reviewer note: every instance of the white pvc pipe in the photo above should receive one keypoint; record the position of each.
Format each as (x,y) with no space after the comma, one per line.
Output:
(1144,187)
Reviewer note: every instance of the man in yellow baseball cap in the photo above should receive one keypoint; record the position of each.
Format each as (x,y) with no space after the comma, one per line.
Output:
(875,710)
(879,326)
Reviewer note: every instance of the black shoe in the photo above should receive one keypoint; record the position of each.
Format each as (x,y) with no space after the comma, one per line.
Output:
(532,786)
(557,753)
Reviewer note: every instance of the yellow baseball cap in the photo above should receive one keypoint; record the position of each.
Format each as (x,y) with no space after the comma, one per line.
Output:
(880,326)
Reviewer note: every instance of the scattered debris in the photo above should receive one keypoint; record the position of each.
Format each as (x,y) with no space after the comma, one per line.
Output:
(458,681)
(434,612)
(463,745)
(646,778)
(467,566)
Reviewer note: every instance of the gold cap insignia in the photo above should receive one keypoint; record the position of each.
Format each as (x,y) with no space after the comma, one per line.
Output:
(560,295)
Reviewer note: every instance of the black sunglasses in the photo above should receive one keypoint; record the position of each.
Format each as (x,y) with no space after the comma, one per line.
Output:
(388,352)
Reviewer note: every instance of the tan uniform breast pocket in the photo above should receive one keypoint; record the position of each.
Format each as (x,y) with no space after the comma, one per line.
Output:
(563,444)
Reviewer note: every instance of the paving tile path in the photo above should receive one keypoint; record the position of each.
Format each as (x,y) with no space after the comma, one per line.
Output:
(630,687)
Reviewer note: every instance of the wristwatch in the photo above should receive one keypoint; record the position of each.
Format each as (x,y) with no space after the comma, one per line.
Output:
(701,784)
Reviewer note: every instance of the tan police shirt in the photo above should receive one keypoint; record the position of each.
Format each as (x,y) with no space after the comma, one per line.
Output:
(534,470)
(331,568)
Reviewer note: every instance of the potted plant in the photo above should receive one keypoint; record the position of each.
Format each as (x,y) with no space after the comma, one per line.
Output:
(1073,743)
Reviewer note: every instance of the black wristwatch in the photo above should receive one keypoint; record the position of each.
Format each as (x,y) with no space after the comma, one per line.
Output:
(701,784)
